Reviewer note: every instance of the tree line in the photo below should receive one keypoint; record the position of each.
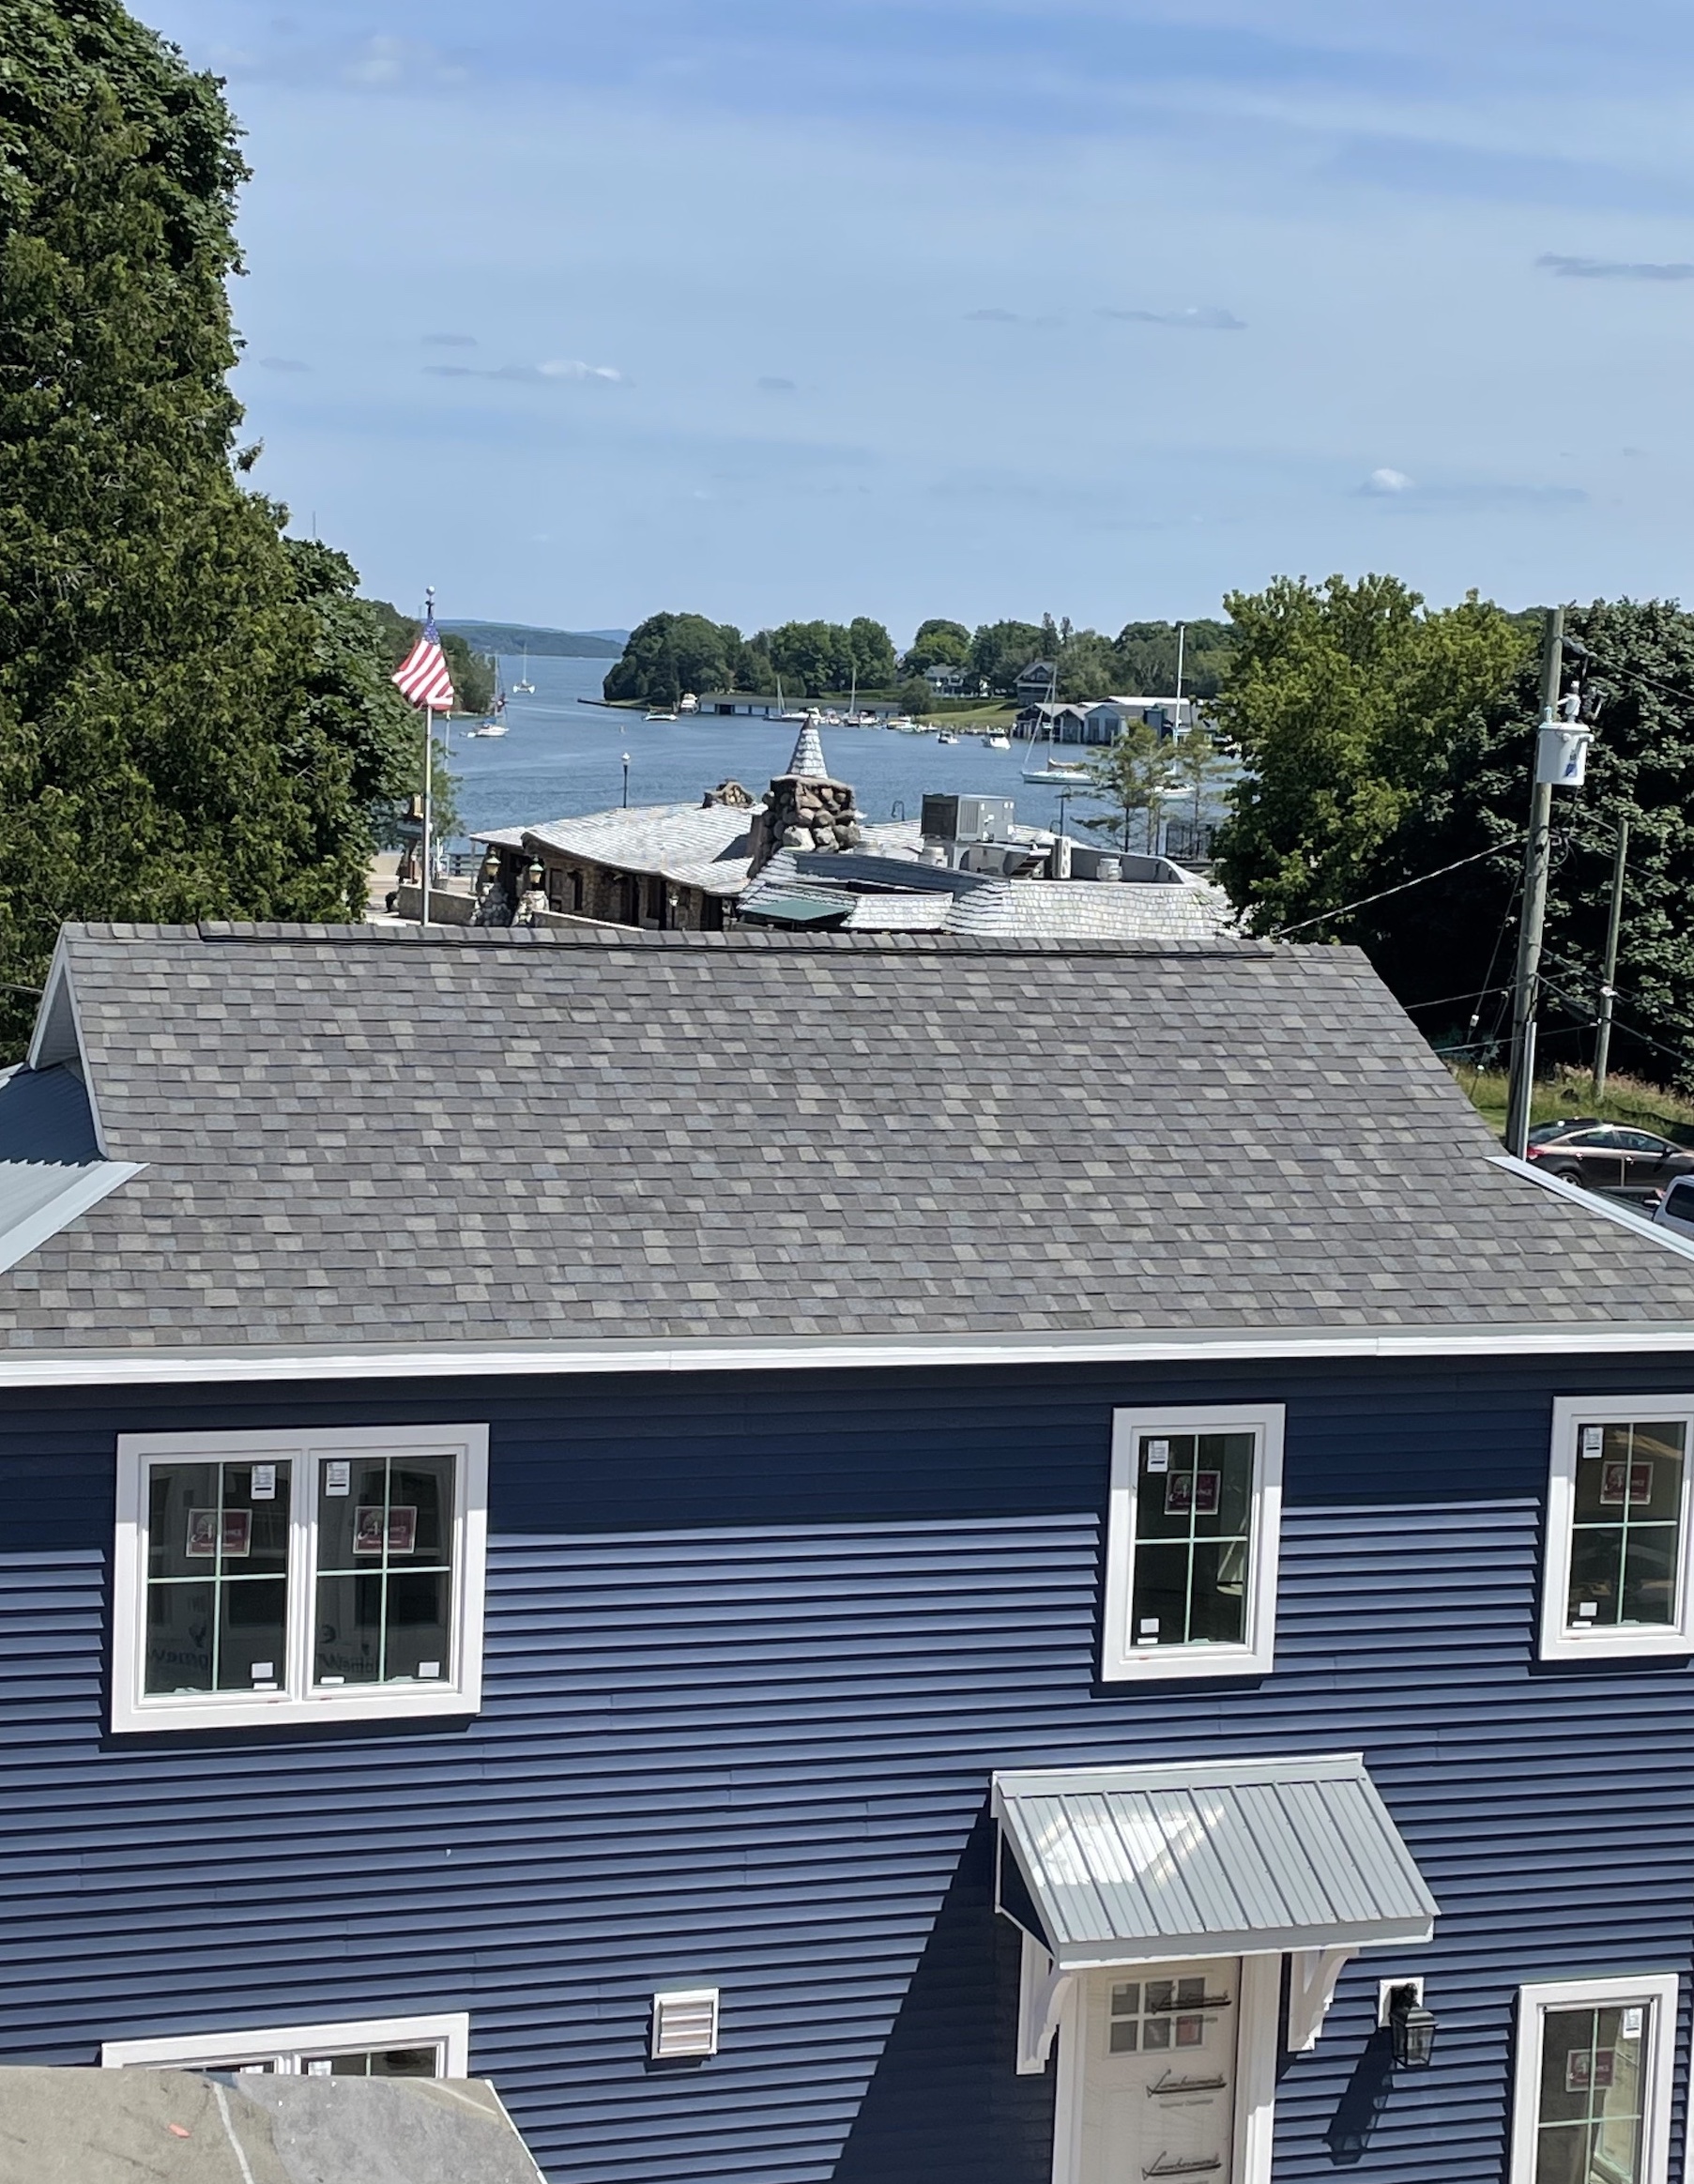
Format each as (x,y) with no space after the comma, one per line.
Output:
(671,654)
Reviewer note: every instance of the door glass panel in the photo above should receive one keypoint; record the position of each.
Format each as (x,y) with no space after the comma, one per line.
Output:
(1194,1517)
(1590,2125)
(1627,1535)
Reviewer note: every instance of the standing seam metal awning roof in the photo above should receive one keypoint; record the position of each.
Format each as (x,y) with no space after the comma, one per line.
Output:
(1237,1858)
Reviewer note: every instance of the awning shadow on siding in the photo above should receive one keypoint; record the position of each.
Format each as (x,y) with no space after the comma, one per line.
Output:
(1239,1858)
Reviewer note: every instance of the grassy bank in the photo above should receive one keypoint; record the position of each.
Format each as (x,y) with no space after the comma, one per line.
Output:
(1570,1091)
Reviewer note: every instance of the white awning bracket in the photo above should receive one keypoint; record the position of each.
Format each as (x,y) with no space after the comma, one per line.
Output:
(1041,1997)
(1312,1976)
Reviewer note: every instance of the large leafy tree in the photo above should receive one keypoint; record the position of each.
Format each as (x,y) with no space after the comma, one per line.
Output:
(670,654)
(190,719)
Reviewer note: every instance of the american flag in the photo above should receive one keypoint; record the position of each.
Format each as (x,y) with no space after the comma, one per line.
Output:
(422,675)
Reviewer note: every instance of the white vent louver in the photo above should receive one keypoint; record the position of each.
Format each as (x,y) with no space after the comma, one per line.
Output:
(685,2023)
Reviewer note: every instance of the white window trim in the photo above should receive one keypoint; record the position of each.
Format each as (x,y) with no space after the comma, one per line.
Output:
(1121,1661)
(1559,1641)
(450,2031)
(1260,2007)
(1656,1990)
(460,1691)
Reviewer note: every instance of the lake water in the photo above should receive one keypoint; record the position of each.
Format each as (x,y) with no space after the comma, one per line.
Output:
(561,759)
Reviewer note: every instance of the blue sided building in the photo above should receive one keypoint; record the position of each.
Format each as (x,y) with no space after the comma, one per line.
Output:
(860,1558)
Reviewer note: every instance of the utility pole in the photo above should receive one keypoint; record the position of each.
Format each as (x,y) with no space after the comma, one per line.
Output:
(1536,852)
(1602,1045)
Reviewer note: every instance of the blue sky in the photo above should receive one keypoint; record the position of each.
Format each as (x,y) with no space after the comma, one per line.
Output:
(578,309)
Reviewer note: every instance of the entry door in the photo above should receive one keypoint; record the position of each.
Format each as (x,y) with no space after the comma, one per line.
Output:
(1158,2076)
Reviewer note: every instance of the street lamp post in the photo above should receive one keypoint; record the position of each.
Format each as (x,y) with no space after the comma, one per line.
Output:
(626,781)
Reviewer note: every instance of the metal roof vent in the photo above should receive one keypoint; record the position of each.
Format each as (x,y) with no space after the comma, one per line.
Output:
(685,2025)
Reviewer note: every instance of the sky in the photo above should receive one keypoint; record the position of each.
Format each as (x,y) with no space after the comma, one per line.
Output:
(775,309)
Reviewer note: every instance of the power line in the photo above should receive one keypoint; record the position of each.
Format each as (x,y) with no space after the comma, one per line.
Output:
(1499,849)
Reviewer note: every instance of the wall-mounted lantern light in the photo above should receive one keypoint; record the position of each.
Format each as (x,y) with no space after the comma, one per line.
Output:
(1411,2027)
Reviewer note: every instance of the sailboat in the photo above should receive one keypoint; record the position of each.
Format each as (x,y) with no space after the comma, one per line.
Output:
(523,687)
(495,723)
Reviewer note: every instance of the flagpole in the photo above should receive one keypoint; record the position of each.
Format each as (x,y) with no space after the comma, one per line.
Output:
(429,760)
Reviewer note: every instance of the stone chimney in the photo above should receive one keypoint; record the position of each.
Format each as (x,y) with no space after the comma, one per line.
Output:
(805,809)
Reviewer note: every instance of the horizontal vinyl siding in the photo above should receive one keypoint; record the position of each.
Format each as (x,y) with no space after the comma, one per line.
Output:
(754,1650)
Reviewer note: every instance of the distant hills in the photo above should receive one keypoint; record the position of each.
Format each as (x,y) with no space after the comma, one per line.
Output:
(544,644)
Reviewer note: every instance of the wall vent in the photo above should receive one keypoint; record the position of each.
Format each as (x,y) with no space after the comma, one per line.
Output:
(685,2025)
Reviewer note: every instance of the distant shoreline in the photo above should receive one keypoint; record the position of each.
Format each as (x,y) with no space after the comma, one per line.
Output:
(504,638)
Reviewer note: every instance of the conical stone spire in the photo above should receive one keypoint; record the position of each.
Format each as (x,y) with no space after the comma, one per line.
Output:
(808,756)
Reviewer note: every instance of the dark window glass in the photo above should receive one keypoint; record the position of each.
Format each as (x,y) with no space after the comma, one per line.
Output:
(375,2063)
(1590,2119)
(217,1577)
(384,1570)
(1193,1520)
(1625,1551)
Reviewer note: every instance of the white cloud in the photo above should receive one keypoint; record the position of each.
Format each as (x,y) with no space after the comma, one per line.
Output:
(1200,317)
(1386,480)
(575,369)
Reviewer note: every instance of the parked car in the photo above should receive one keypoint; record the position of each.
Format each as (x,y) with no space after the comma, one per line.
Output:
(1606,1156)
(1675,1210)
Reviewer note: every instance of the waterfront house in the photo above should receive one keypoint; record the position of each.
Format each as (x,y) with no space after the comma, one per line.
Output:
(855,1557)
(944,680)
(1037,682)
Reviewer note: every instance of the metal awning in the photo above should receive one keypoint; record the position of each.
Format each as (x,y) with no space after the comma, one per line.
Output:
(1223,1857)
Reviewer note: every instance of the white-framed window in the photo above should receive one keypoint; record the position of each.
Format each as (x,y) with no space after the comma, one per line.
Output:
(1617,1567)
(379,2047)
(1191,1542)
(1590,2099)
(292,1577)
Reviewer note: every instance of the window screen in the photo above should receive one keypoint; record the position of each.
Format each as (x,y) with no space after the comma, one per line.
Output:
(385,1529)
(1627,1534)
(1193,1516)
(1590,2115)
(217,1580)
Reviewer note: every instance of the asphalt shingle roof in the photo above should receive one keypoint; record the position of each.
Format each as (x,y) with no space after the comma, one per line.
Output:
(370,1136)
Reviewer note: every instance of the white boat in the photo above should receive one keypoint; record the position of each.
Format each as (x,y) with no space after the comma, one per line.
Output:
(490,728)
(523,687)
(660,713)
(996,741)
(947,736)
(1076,776)
(792,716)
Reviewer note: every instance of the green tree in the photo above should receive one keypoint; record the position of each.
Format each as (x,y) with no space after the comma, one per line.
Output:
(1347,703)
(871,652)
(1147,658)
(914,697)
(1132,774)
(177,682)
(1196,763)
(473,673)
(1086,667)
(999,652)
(938,643)
(669,653)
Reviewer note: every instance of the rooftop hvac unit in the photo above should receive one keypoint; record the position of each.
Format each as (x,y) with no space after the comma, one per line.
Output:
(685,2025)
(967,819)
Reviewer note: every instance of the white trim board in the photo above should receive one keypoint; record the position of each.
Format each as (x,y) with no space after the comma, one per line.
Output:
(1627,1218)
(1562,1639)
(176,1368)
(450,2030)
(1654,1990)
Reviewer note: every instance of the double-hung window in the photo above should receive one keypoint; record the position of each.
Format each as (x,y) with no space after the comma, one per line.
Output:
(400,2047)
(266,1577)
(1592,2095)
(1618,1509)
(1192,1537)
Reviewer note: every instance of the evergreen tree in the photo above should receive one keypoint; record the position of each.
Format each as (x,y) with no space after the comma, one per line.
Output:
(192,722)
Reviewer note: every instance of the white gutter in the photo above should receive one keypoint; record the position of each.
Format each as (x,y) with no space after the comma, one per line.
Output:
(168,1367)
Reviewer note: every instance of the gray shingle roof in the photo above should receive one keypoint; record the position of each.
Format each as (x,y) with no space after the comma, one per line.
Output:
(373,1135)
(705,846)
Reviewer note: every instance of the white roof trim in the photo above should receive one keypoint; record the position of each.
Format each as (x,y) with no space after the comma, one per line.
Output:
(177,1367)
(83,1187)
(57,1037)
(1607,1209)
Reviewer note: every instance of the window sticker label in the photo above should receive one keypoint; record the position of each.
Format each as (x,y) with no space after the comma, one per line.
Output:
(368,1528)
(1158,1456)
(1147,1631)
(428,1671)
(1593,1439)
(1627,1482)
(338,1476)
(1192,1493)
(264,1481)
(1631,2027)
(264,1669)
(403,1529)
(236,1534)
(202,1535)
(1583,2071)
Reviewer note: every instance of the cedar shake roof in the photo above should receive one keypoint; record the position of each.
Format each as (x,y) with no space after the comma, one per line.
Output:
(368,1136)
